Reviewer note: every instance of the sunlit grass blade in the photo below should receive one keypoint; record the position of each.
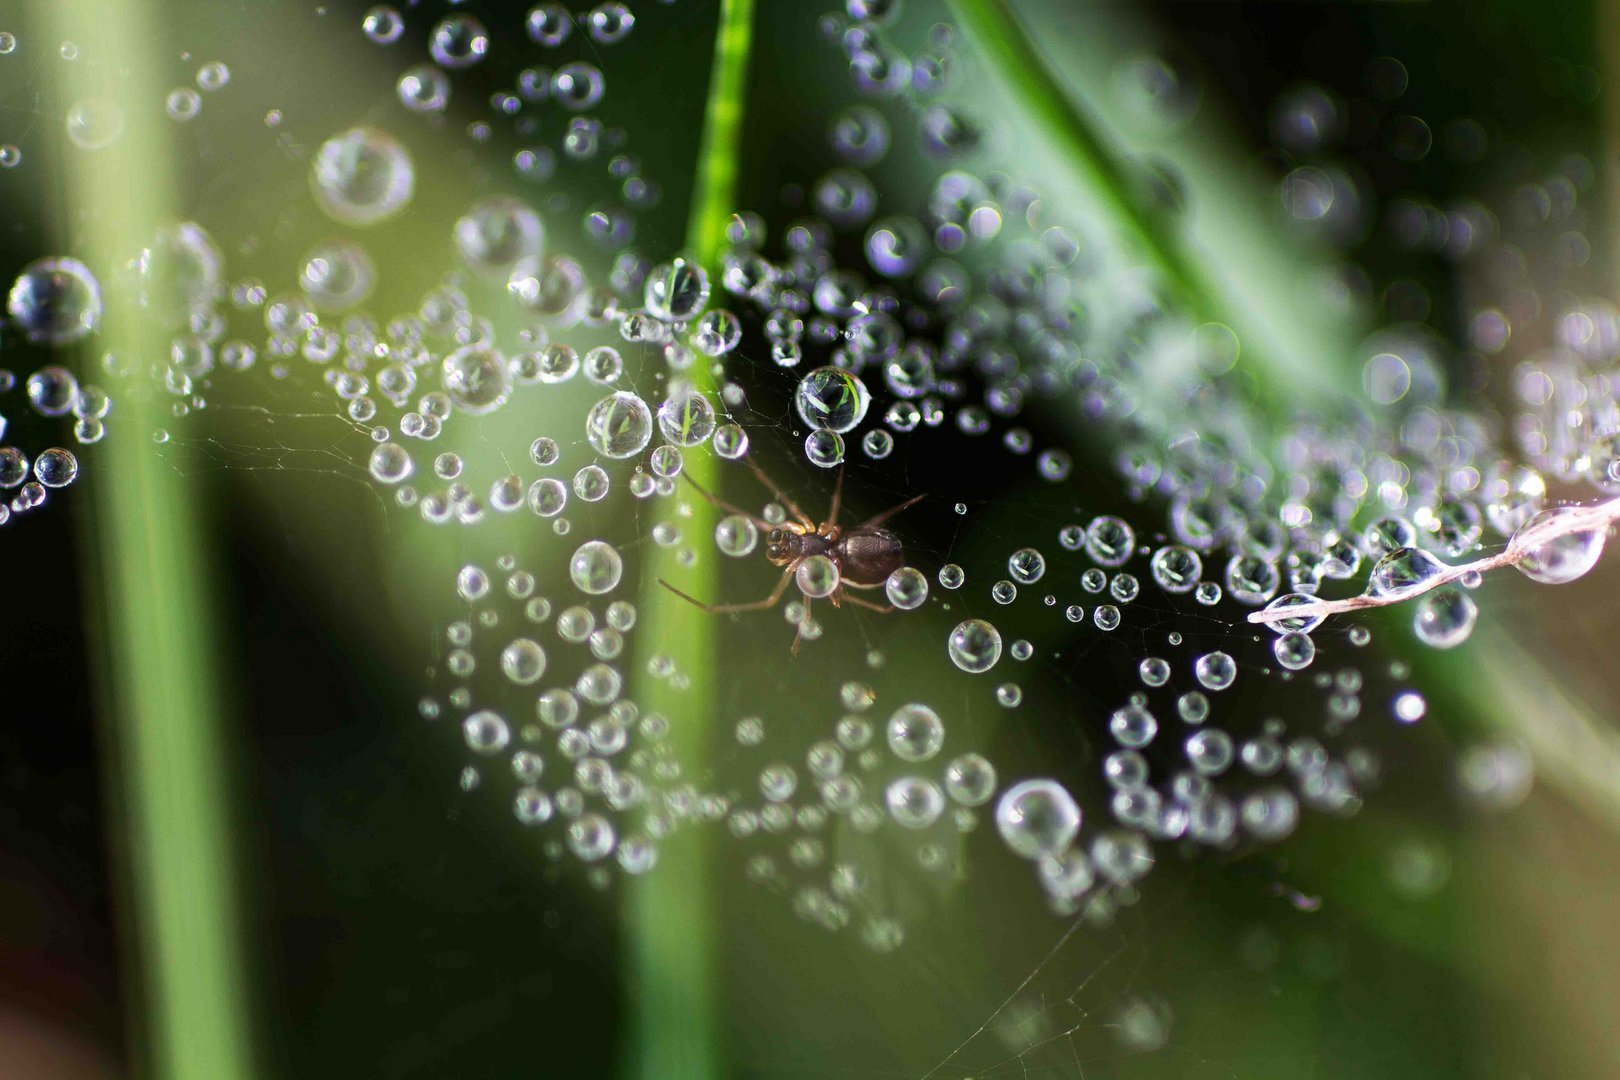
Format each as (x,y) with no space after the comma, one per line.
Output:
(674,985)
(715,194)
(152,567)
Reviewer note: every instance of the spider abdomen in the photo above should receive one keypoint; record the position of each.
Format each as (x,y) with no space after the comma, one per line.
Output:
(867,556)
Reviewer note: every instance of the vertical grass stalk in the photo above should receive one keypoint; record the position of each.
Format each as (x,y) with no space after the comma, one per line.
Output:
(152,604)
(674,985)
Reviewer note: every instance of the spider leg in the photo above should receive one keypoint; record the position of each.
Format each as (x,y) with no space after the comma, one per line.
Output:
(731,609)
(793,507)
(881,609)
(893,510)
(728,507)
(798,637)
(838,494)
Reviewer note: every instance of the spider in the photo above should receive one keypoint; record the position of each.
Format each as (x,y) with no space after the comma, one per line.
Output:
(864,556)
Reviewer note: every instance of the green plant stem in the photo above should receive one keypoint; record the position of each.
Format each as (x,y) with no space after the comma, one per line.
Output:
(161,675)
(674,984)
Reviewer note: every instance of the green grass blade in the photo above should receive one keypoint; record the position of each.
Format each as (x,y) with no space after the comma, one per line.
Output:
(154,613)
(1292,360)
(674,981)
(992,28)
(715,195)
(177,801)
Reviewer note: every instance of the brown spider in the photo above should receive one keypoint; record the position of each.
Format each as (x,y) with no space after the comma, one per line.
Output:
(865,555)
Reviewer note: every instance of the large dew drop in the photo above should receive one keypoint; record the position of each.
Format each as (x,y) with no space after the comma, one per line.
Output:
(619,426)
(1402,572)
(1037,818)
(178,275)
(523,661)
(55,301)
(913,802)
(1133,726)
(1302,624)
(95,123)
(817,577)
(362,176)
(1562,558)
(1444,618)
(1109,541)
(676,291)
(390,463)
(476,378)
(56,467)
(906,588)
(915,732)
(337,276)
(686,418)
(596,568)
(974,646)
(498,234)
(832,399)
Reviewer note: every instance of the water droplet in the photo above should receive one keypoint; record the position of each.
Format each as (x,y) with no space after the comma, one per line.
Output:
(1176,568)
(1037,818)
(817,577)
(1133,726)
(686,418)
(55,301)
(915,733)
(498,234)
(1109,541)
(913,802)
(1444,618)
(56,468)
(1294,650)
(1026,565)
(906,588)
(476,378)
(1298,624)
(619,426)
(1560,559)
(1215,670)
(458,41)
(677,291)
(974,646)
(832,399)
(1401,572)
(824,449)
(390,463)
(596,567)
(362,176)
(486,732)
(523,661)
(970,780)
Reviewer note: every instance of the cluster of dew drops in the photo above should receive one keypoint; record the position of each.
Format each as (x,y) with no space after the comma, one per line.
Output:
(959,316)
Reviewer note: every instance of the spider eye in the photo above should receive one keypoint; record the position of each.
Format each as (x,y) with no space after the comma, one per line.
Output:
(775,538)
